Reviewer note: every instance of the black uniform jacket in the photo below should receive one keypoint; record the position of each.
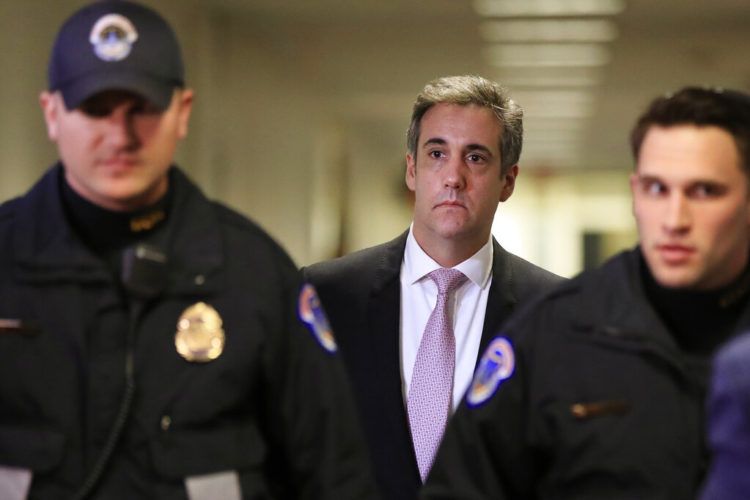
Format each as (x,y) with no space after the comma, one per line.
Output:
(361,294)
(602,404)
(274,407)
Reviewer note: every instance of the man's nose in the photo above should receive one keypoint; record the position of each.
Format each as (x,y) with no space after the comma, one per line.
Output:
(455,172)
(677,218)
(121,129)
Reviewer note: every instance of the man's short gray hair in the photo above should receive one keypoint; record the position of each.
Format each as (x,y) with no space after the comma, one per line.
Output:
(466,90)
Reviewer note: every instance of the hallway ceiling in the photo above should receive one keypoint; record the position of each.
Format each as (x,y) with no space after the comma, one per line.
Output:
(582,83)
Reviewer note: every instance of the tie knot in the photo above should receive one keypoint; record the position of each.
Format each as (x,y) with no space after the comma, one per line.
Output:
(447,280)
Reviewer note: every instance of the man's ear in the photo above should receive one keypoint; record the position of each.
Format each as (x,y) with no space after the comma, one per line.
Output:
(185,108)
(411,171)
(510,182)
(51,104)
(633,188)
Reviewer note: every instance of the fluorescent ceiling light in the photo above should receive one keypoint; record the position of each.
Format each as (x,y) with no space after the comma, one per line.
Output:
(554,77)
(591,72)
(552,136)
(553,97)
(536,126)
(567,112)
(548,8)
(555,103)
(549,30)
(519,81)
(547,55)
(550,157)
(554,152)
(571,128)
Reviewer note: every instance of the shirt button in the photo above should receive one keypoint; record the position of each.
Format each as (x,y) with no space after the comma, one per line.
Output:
(166,421)
(200,279)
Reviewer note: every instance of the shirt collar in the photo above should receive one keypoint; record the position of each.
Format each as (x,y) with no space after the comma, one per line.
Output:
(417,264)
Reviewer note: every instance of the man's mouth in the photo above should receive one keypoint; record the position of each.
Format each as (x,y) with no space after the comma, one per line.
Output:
(675,253)
(450,204)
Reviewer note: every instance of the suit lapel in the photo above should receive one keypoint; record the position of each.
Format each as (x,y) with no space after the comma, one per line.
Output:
(384,314)
(501,300)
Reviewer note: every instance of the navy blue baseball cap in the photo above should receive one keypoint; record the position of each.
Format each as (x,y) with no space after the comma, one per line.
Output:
(116,45)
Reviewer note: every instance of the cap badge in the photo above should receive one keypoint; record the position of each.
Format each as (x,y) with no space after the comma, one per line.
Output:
(312,314)
(200,336)
(113,36)
(496,365)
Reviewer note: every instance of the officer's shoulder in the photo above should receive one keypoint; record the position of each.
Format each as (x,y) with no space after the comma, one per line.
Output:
(555,306)
(578,295)
(356,266)
(8,209)
(243,233)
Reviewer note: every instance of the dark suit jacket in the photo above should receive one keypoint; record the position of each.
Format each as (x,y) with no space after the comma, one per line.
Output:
(361,294)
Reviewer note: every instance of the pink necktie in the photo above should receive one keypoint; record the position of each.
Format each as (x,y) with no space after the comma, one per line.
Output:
(430,393)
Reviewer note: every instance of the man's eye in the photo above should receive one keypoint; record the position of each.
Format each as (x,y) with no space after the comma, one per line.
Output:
(654,188)
(705,190)
(475,158)
(435,154)
(95,109)
(145,108)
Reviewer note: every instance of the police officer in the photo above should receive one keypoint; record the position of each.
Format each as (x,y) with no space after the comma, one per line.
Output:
(597,391)
(153,343)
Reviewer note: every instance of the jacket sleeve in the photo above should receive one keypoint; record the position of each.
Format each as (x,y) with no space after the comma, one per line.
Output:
(311,412)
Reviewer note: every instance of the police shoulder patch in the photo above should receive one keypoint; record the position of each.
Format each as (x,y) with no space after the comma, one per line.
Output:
(311,313)
(496,365)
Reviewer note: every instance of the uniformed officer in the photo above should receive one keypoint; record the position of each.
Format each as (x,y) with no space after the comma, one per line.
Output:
(597,391)
(153,343)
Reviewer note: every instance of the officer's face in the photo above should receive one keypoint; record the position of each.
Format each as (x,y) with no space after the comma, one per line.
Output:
(117,147)
(691,203)
(456,180)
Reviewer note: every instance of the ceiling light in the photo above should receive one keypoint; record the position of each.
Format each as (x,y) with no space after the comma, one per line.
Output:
(547,55)
(547,8)
(549,30)
(520,81)
(542,125)
(552,136)
(552,97)
(552,77)
(566,112)
(556,103)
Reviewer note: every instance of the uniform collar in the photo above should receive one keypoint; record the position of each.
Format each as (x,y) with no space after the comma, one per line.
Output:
(45,246)
(47,249)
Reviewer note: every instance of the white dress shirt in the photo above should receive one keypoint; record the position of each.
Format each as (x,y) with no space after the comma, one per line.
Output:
(468,305)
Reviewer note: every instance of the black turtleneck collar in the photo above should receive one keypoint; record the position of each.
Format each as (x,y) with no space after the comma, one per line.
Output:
(699,321)
(107,232)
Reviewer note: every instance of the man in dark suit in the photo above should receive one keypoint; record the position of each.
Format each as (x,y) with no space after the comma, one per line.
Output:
(464,142)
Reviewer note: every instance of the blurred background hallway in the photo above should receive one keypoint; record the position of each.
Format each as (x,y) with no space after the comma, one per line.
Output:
(302,106)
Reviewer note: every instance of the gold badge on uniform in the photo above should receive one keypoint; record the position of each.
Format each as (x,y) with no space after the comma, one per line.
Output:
(199,337)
